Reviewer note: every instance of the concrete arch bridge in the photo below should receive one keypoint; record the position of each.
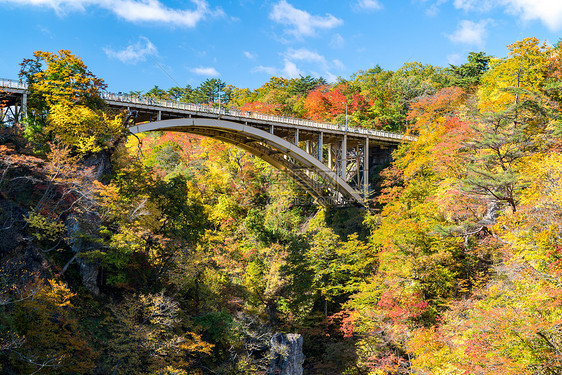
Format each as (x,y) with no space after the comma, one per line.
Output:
(332,163)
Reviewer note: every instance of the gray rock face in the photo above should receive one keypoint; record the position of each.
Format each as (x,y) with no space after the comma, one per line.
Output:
(492,213)
(287,355)
(88,270)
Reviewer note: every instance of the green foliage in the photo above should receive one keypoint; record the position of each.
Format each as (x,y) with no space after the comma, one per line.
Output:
(209,91)
(217,326)
(157,92)
(468,75)
(303,85)
(151,218)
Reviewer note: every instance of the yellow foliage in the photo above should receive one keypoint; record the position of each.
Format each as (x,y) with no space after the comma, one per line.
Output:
(82,128)
(524,68)
(44,228)
(51,331)
(432,355)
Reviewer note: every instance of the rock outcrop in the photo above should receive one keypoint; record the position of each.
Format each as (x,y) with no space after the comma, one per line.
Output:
(286,353)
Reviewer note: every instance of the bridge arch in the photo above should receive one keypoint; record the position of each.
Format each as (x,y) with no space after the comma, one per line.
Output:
(315,177)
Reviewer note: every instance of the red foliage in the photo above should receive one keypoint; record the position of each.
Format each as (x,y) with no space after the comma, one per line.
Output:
(390,363)
(442,104)
(346,320)
(336,102)
(399,308)
(555,258)
(316,105)
(261,107)
(359,103)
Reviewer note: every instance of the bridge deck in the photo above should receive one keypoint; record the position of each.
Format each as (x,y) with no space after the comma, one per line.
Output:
(158,109)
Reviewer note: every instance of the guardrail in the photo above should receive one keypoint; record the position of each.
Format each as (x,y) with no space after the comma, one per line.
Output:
(143,100)
(170,104)
(10,83)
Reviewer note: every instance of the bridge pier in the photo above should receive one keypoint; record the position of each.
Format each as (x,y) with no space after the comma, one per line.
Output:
(330,157)
(320,150)
(366,169)
(343,167)
(23,112)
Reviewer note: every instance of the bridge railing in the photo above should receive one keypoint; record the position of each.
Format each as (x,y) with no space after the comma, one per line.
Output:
(171,104)
(12,84)
(143,100)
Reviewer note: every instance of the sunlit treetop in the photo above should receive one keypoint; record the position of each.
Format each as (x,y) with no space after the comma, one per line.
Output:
(60,78)
(524,69)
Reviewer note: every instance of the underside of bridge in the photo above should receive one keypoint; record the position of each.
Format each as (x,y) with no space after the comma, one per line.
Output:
(323,183)
(11,107)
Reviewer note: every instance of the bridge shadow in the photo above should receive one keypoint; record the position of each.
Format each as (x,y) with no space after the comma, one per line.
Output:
(347,220)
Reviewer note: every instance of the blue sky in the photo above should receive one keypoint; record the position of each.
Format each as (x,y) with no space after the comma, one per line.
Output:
(136,44)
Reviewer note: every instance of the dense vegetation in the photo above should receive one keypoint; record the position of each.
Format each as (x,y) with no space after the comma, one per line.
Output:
(173,254)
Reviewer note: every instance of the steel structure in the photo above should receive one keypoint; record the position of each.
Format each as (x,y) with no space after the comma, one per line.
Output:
(331,162)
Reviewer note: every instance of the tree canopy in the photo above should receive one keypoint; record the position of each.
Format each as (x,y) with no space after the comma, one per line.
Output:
(169,253)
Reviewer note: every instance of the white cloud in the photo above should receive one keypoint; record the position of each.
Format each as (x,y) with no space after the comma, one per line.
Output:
(132,10)
(330,77)
(469,5)
(133,53)
(548,12)
(297,62)
(300,22)
(434,6)
(249,55)
(369,4)
(205,71)
(313,58)
(454,59)
(290,70)
(469,32)
(338,64)
(266,69)
(305,55)
(464,4)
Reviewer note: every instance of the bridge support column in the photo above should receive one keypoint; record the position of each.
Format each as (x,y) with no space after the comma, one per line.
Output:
(159,116)
(297,137)
(366,169)
(23,112)
(343,161)
(320,155)
(330,157)
(358,158)
(308,151)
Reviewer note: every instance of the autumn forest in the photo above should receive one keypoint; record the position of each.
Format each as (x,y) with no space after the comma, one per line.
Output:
(167,253)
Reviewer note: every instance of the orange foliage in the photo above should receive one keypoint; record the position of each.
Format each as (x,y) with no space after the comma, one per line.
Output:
(261,107)
(316,105)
